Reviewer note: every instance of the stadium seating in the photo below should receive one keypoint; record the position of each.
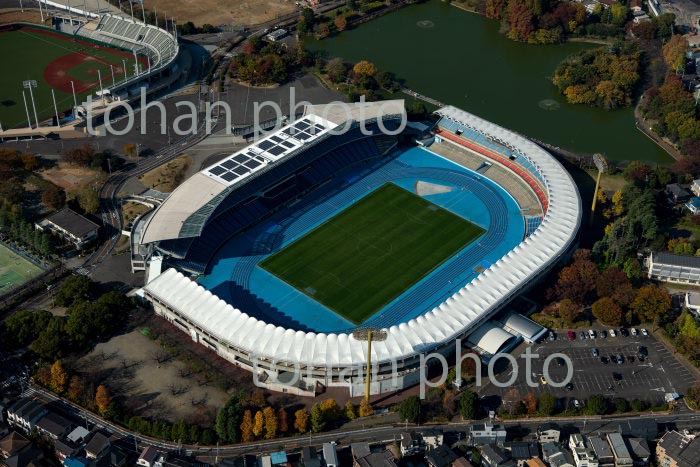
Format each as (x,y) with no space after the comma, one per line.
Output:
(158,45)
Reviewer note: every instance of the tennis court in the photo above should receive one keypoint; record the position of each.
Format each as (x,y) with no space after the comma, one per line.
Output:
(15,270)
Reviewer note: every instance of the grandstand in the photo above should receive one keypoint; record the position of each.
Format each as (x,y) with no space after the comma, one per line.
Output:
(222,222)
(159,46)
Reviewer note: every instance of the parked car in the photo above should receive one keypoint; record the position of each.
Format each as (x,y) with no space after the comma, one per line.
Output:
(569,387)
(591,333)
(612,333)
(595,352)
(552,336)
(582,335)
(571,335)
(616,376)
(603,334)
(577,404)
(619,359)
(604,360)
(645,333)
(633,331)
(559,361)
(543,380)
(641,350)
(623,332)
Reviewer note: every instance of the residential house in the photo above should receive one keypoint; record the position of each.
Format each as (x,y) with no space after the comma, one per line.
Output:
(582,451)
(639,448)
(622,456)
(78,435)
(441,456)
(666,267)
(12,444)
(25,413)
(410,444)
(377,459)
(279,458)
(115,457)
(521,452)
(149,456)
(535,462)
(693,205)
(432,438)
(309,457)
(602,450)
(493,456)
(360,450)
(71,226)
(556,455)
(27,457)
(695,187)
(54,426)
(485,433)
(330,455)
(677,193)
(549,433)
(98,446)
(462,462)
(78,462)
(678,450)
(64,449)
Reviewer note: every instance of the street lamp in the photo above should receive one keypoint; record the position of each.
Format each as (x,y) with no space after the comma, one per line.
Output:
(367,334)
(31,84)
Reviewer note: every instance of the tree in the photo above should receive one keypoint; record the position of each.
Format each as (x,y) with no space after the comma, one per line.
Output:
(230,417)
(607,311)
(674,52)
(283,418)
(692,397)
(364,69)
(331,410)
(130,150)
(341,23)
(638,405)
(51,341)
(336,70)
(597,405)
(614,283)
(621,405)
(247,427)
(619,14)
(301,420)
(89,200)
(271,423)
(578,280)
(469,405)
(568,311)
(259,423)
(59,377)
(409,409)
(103,399)
(511,400)
(53,197)
(366,409)
(75,288)
(306,23)
(30,161)
(547,404)
(531,404)
(652,305)
(75,388)
(318,422)
(350,410)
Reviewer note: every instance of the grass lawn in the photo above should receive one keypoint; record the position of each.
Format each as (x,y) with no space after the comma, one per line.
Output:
(168,176)
(369,254)
(30,51)
(15,270)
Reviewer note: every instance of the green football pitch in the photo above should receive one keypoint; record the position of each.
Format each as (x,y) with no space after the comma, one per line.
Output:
(53,60)
(15,270)
(367,255)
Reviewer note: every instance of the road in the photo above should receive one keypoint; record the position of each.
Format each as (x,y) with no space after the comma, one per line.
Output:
(681,419)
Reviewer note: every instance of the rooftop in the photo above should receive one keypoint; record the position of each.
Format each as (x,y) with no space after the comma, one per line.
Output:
(72,222)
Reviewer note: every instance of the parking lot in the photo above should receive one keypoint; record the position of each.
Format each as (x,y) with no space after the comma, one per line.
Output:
(659,372)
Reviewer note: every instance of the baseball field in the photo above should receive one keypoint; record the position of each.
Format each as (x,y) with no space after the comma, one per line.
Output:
(53,60)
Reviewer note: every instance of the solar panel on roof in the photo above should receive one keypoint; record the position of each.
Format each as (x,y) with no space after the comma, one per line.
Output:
(218,170)
(264,145)
(228,164)
(302,136)
(241,170)
(240,158)
(229,176)
(251,164)
(276,151)
(301,125)
(287,144)
(276,139)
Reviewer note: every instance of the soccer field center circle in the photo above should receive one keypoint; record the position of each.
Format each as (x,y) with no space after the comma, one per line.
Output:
(285,326)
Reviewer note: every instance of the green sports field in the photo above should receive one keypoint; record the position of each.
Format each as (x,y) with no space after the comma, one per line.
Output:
(15,270)
(363,258)
(53,60)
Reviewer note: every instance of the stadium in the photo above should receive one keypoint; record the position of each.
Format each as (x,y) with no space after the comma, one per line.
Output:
(107,55)
(274,256)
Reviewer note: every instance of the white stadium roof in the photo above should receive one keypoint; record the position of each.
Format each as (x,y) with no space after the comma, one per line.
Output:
(467,308)
(489,338)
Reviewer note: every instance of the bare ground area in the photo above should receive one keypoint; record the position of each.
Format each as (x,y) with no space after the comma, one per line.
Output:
(11,15)
(69,177)
(222,12)
(151,382)
(168,176)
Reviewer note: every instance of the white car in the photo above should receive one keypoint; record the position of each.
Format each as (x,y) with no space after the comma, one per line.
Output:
(633,331)
(645,333)
(577,404)
(612,333)
(591,333)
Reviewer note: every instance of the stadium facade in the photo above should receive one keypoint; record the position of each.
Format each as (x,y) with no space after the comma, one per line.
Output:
(225,199)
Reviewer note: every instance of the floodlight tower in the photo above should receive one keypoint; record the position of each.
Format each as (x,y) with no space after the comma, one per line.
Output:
(31,84)
(368,334)
(602,166)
